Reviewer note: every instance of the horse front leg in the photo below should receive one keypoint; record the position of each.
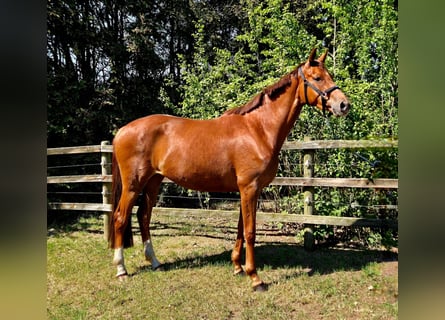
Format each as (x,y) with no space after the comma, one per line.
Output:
(144,217)
(236,252)
(249,198)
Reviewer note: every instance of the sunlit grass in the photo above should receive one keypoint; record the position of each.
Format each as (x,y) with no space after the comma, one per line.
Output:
(199,284)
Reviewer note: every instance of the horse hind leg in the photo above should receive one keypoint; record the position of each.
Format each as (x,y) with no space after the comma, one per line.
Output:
(122,234)
(144,212)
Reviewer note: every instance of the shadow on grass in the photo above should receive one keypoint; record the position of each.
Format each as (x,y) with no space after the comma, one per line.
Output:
(283,256)
(63,222)
(269,254)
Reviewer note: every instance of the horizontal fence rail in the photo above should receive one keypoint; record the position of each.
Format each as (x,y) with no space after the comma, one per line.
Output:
(278,181)
(288,145)
(339,144)
(308,182)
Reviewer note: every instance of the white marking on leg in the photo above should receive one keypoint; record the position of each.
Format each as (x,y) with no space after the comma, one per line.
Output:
(118,261)
(150,254)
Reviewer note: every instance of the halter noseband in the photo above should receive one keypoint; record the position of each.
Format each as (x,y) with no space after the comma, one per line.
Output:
(322,94)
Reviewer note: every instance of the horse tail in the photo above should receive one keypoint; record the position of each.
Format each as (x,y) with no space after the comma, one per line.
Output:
(116,193)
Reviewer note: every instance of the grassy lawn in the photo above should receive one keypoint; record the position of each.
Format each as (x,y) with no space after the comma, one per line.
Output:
(330,283)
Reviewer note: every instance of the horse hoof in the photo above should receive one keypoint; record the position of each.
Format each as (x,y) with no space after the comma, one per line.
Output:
(122,277)
(159,268)
(260,287)
(240,273)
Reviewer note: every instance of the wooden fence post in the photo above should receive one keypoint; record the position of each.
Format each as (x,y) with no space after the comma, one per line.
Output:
(106,186)
(308,172)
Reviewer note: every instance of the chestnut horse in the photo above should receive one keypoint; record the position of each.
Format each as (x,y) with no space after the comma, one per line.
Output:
(237,151)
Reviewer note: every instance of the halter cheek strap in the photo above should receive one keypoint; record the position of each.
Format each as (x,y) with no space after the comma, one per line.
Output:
(323,94)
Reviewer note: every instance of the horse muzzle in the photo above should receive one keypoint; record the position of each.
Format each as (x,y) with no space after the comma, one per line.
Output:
(341,108)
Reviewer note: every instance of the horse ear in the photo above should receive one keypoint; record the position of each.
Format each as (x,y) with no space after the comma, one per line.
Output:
(312,55)
(323,56)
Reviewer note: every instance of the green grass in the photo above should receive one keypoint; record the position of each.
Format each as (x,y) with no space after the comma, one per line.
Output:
(198,282)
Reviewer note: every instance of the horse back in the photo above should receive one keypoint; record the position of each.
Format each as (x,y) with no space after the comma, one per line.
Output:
(207,155)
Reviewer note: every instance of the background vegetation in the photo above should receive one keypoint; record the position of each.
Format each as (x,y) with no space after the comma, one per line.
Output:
(112,61)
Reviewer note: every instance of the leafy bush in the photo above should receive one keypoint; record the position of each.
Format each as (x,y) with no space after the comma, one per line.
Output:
(362,38)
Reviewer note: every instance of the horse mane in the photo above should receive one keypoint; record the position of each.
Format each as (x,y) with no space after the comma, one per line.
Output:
(273,91)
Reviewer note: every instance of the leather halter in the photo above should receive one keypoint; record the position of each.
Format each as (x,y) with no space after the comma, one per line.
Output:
(323,94)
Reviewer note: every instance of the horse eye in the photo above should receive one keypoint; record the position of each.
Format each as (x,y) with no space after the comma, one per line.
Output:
(317,78)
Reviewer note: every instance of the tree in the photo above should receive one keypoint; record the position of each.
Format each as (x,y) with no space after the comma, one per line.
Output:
(107,61)
(362,37)
(267,47)
(362,41)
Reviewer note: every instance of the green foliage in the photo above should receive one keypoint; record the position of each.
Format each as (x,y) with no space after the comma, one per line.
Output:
(106,64)
(362,40)
(110,62)
(361,36)
(266,50)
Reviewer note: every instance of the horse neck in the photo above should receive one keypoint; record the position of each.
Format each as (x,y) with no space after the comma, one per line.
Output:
(278,116)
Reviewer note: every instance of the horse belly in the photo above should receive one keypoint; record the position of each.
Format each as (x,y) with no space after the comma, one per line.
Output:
(205,184)
(197,154)
(203,171)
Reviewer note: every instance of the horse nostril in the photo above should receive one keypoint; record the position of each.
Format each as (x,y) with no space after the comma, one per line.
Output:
(344,106)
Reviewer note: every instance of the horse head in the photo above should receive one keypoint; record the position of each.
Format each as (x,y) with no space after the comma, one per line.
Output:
(319,89)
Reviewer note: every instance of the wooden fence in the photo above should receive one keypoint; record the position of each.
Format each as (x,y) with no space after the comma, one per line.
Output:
(308,182)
